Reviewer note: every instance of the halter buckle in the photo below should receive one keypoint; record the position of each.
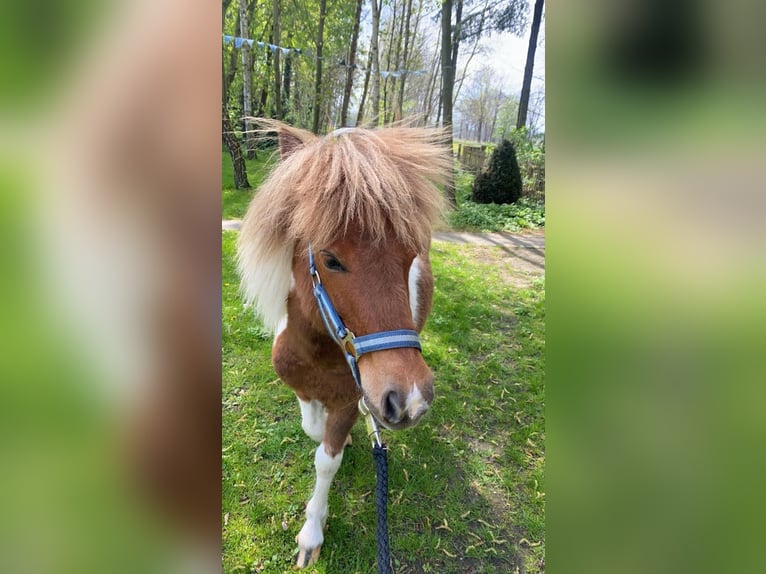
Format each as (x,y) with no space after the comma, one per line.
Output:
(347,343)
(372,425)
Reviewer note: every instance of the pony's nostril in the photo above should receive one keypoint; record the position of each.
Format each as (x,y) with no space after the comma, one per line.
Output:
(392,407)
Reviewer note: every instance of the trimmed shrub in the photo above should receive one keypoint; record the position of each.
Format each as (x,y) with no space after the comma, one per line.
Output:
(501,181)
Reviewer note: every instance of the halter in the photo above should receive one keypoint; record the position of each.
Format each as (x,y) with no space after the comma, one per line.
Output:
(352,346)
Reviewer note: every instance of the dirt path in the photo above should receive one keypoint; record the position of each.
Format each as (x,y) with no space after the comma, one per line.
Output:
(520,255)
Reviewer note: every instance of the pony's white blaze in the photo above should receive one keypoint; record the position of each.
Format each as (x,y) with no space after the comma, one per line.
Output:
(311,535)
(313,418)
(266,281)
(412,284)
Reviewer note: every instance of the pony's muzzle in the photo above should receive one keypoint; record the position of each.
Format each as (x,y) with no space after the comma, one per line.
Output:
(400,408)
(398,386)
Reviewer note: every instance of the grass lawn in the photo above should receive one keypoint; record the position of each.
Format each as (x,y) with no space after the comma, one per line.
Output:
(235,201)
(466,486)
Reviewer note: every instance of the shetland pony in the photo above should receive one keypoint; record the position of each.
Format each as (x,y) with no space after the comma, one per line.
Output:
(363,201)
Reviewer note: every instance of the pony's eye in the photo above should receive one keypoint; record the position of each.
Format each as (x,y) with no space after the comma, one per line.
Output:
(331,263)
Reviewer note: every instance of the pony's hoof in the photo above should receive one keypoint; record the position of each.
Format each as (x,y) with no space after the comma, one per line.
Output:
(348,440)
(307,557)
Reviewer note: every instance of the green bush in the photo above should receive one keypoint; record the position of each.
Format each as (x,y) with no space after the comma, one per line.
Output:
(530,153)
(526,213)
(501,181)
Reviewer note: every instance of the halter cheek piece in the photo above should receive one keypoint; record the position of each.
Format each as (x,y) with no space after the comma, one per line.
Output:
(352,346)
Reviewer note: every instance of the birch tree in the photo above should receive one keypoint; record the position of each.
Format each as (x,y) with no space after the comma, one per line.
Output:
(276,34)
(247,79)
(448,80)
(351,64)
(318,77)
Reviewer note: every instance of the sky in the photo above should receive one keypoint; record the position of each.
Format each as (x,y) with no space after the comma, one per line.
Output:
(504,52)
(507,55)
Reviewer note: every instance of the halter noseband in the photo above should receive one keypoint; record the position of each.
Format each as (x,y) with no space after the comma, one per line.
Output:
(352,346)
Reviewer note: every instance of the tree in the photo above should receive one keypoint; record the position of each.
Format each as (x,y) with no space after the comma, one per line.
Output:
(277,36)
(501,181)
(351,64)
(374,59)
(318,77)
(527,85)
(227,131)
(448,55)
(247,80)
(235,152)
(480,105)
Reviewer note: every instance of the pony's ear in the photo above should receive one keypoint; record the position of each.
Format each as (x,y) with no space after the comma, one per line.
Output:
(288,143)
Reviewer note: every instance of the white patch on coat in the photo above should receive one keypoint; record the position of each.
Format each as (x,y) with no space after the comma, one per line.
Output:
(281,326)
(415,405)
(313,419)
(311,535)
(412,283)
(266,278)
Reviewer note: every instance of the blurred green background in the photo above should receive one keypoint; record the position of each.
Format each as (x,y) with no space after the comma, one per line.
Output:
(655,280)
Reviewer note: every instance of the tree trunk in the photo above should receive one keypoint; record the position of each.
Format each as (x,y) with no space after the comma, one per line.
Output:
(405,57)
(448,78)
(367,73)
(247,80)
(351,63)
(276,34)
(375,98)
(228,77)
(521,119)
(286,75)
(432,79)
(264,97)
(318,79)
(388,78)
(232,145)
(391,106)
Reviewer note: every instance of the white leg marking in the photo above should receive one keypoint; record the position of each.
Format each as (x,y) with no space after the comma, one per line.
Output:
(311,535)
(415,404)
(313,418)
(412,283)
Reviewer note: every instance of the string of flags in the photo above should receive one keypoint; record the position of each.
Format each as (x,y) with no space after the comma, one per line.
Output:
(238,42)
(386,73)
(273,47)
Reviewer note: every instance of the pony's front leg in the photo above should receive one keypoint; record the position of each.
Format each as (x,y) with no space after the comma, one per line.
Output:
(311,535)
(327,460)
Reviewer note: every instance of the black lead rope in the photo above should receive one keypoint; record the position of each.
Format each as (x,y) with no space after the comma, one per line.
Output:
(379,454)
(380,457)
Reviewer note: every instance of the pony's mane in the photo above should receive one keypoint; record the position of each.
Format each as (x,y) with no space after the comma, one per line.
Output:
(381,182)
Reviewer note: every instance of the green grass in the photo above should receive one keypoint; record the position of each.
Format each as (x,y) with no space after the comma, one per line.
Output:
(466,486)
(235,201)
(526,213)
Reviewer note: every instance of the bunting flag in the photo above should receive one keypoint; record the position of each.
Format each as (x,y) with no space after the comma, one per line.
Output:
(386,73)
(238,42)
